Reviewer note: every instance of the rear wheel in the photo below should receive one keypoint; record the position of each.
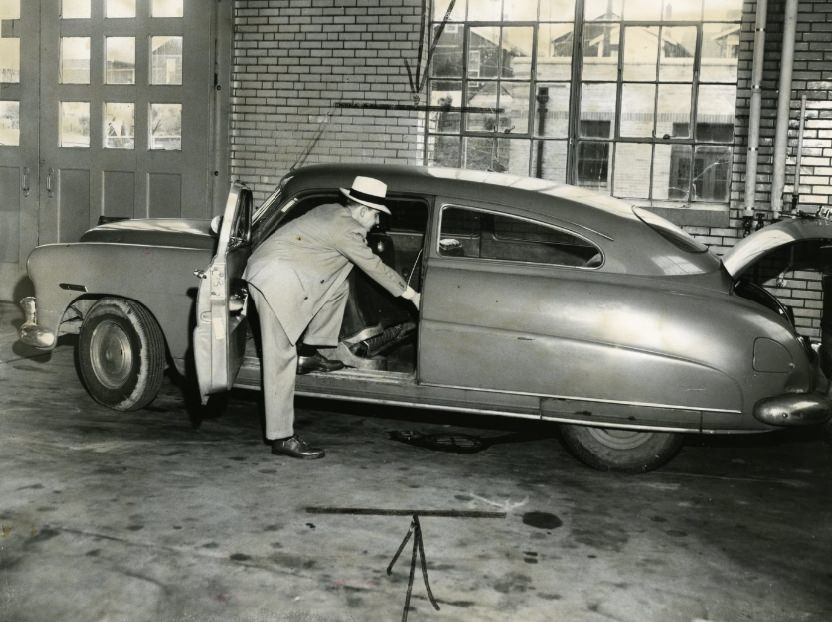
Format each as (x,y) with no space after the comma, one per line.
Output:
(627,451)
(121,354)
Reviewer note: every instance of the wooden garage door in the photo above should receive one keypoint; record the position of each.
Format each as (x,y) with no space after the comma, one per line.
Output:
(107,107)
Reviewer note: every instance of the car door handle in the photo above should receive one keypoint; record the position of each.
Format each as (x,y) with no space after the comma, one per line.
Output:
(200,274)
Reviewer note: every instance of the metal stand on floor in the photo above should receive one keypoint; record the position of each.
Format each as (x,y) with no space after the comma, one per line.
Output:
(418,547)
(415,531)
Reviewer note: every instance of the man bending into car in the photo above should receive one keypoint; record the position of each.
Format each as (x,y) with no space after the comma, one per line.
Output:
(298,281)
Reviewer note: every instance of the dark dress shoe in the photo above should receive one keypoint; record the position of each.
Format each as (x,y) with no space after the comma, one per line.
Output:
(296,448)
(317,362)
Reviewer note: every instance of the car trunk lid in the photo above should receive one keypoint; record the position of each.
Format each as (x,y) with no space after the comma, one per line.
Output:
(777,235)
(179,232)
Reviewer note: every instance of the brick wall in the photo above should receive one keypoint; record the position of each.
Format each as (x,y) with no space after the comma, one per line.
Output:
(812,76)
(295,60)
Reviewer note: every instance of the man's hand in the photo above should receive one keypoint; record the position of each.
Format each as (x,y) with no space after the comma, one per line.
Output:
(413,296)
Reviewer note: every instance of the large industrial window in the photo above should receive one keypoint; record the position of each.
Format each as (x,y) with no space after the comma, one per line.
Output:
(633,97)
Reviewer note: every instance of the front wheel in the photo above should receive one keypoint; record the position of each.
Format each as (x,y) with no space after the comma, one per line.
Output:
(121,354)
(626,451)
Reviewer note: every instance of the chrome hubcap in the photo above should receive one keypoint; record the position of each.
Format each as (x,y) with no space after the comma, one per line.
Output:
(620,439)
(110,354)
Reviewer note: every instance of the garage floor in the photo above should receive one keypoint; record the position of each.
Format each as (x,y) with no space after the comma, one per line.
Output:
(145,516)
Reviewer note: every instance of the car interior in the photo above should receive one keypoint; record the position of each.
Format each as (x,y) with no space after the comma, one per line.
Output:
(378,331)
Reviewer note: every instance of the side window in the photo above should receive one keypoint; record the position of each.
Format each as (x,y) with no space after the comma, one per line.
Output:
(466,232)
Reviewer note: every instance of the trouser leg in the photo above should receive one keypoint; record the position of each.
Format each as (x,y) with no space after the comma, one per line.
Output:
(279,365)
(325,325)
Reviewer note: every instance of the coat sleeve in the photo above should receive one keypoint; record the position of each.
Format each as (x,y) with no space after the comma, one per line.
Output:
(353,246)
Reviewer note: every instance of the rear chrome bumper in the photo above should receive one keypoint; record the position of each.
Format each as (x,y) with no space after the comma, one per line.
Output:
(794,409)
(29,332)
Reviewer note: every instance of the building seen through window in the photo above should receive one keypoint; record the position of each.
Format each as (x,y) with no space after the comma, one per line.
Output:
(630,97)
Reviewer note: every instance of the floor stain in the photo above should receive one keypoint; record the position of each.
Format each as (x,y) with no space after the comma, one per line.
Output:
(542,520)
(513,582)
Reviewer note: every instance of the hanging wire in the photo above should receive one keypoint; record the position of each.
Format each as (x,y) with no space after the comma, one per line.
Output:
(321,128)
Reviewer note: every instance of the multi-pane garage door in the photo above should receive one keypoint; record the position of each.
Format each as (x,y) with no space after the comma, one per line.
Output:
(106,108)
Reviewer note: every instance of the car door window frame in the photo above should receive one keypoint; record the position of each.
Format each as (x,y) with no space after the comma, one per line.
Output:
(474,240)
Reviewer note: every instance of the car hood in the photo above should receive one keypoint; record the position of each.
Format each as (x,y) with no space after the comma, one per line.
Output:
(178,232)
(797,229)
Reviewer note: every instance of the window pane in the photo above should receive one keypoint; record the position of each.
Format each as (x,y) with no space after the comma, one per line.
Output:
(711,173)
(516,161)
(484,10)
(671,172)
(445,93)
(75,9)
(520,10)
(554,51)
(447,57)
(119,126)
(723,9)
(517,58)
(642,10)
(641,51)
(166,60)
(459,221)
(715,112)
(121,60)
(457,15)
(9,124)
(552,110)
(75,60)
(637,105)
(9,9)
(166,8)
(600,51)
(10,60)
(602,10)
(720,47)
(597,109)
(121,8)
(557,10)
(500,155)
(549,159)
(75,124)
(678,51)
(514,104)
(593,164)
(482,95)
(484,52)
(682,10)
(673,118)
(632,171)
(444,151)
(516,239)
(166,126)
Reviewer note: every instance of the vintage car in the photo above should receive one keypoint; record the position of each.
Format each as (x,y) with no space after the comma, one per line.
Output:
(539,300)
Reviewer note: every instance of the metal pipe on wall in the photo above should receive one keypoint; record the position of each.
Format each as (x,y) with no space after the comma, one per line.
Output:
(754,108)
(784,97)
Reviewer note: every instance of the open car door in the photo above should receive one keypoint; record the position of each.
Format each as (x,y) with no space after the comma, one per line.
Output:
(220,331)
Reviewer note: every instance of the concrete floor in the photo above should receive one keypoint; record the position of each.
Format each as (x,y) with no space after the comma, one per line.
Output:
(142,516)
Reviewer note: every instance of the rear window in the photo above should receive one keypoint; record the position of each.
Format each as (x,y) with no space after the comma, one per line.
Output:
(679,237)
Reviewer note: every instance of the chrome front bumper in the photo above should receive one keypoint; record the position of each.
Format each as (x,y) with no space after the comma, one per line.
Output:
(29,332)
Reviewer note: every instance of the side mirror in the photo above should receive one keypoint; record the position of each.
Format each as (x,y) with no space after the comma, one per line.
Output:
(216,223)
